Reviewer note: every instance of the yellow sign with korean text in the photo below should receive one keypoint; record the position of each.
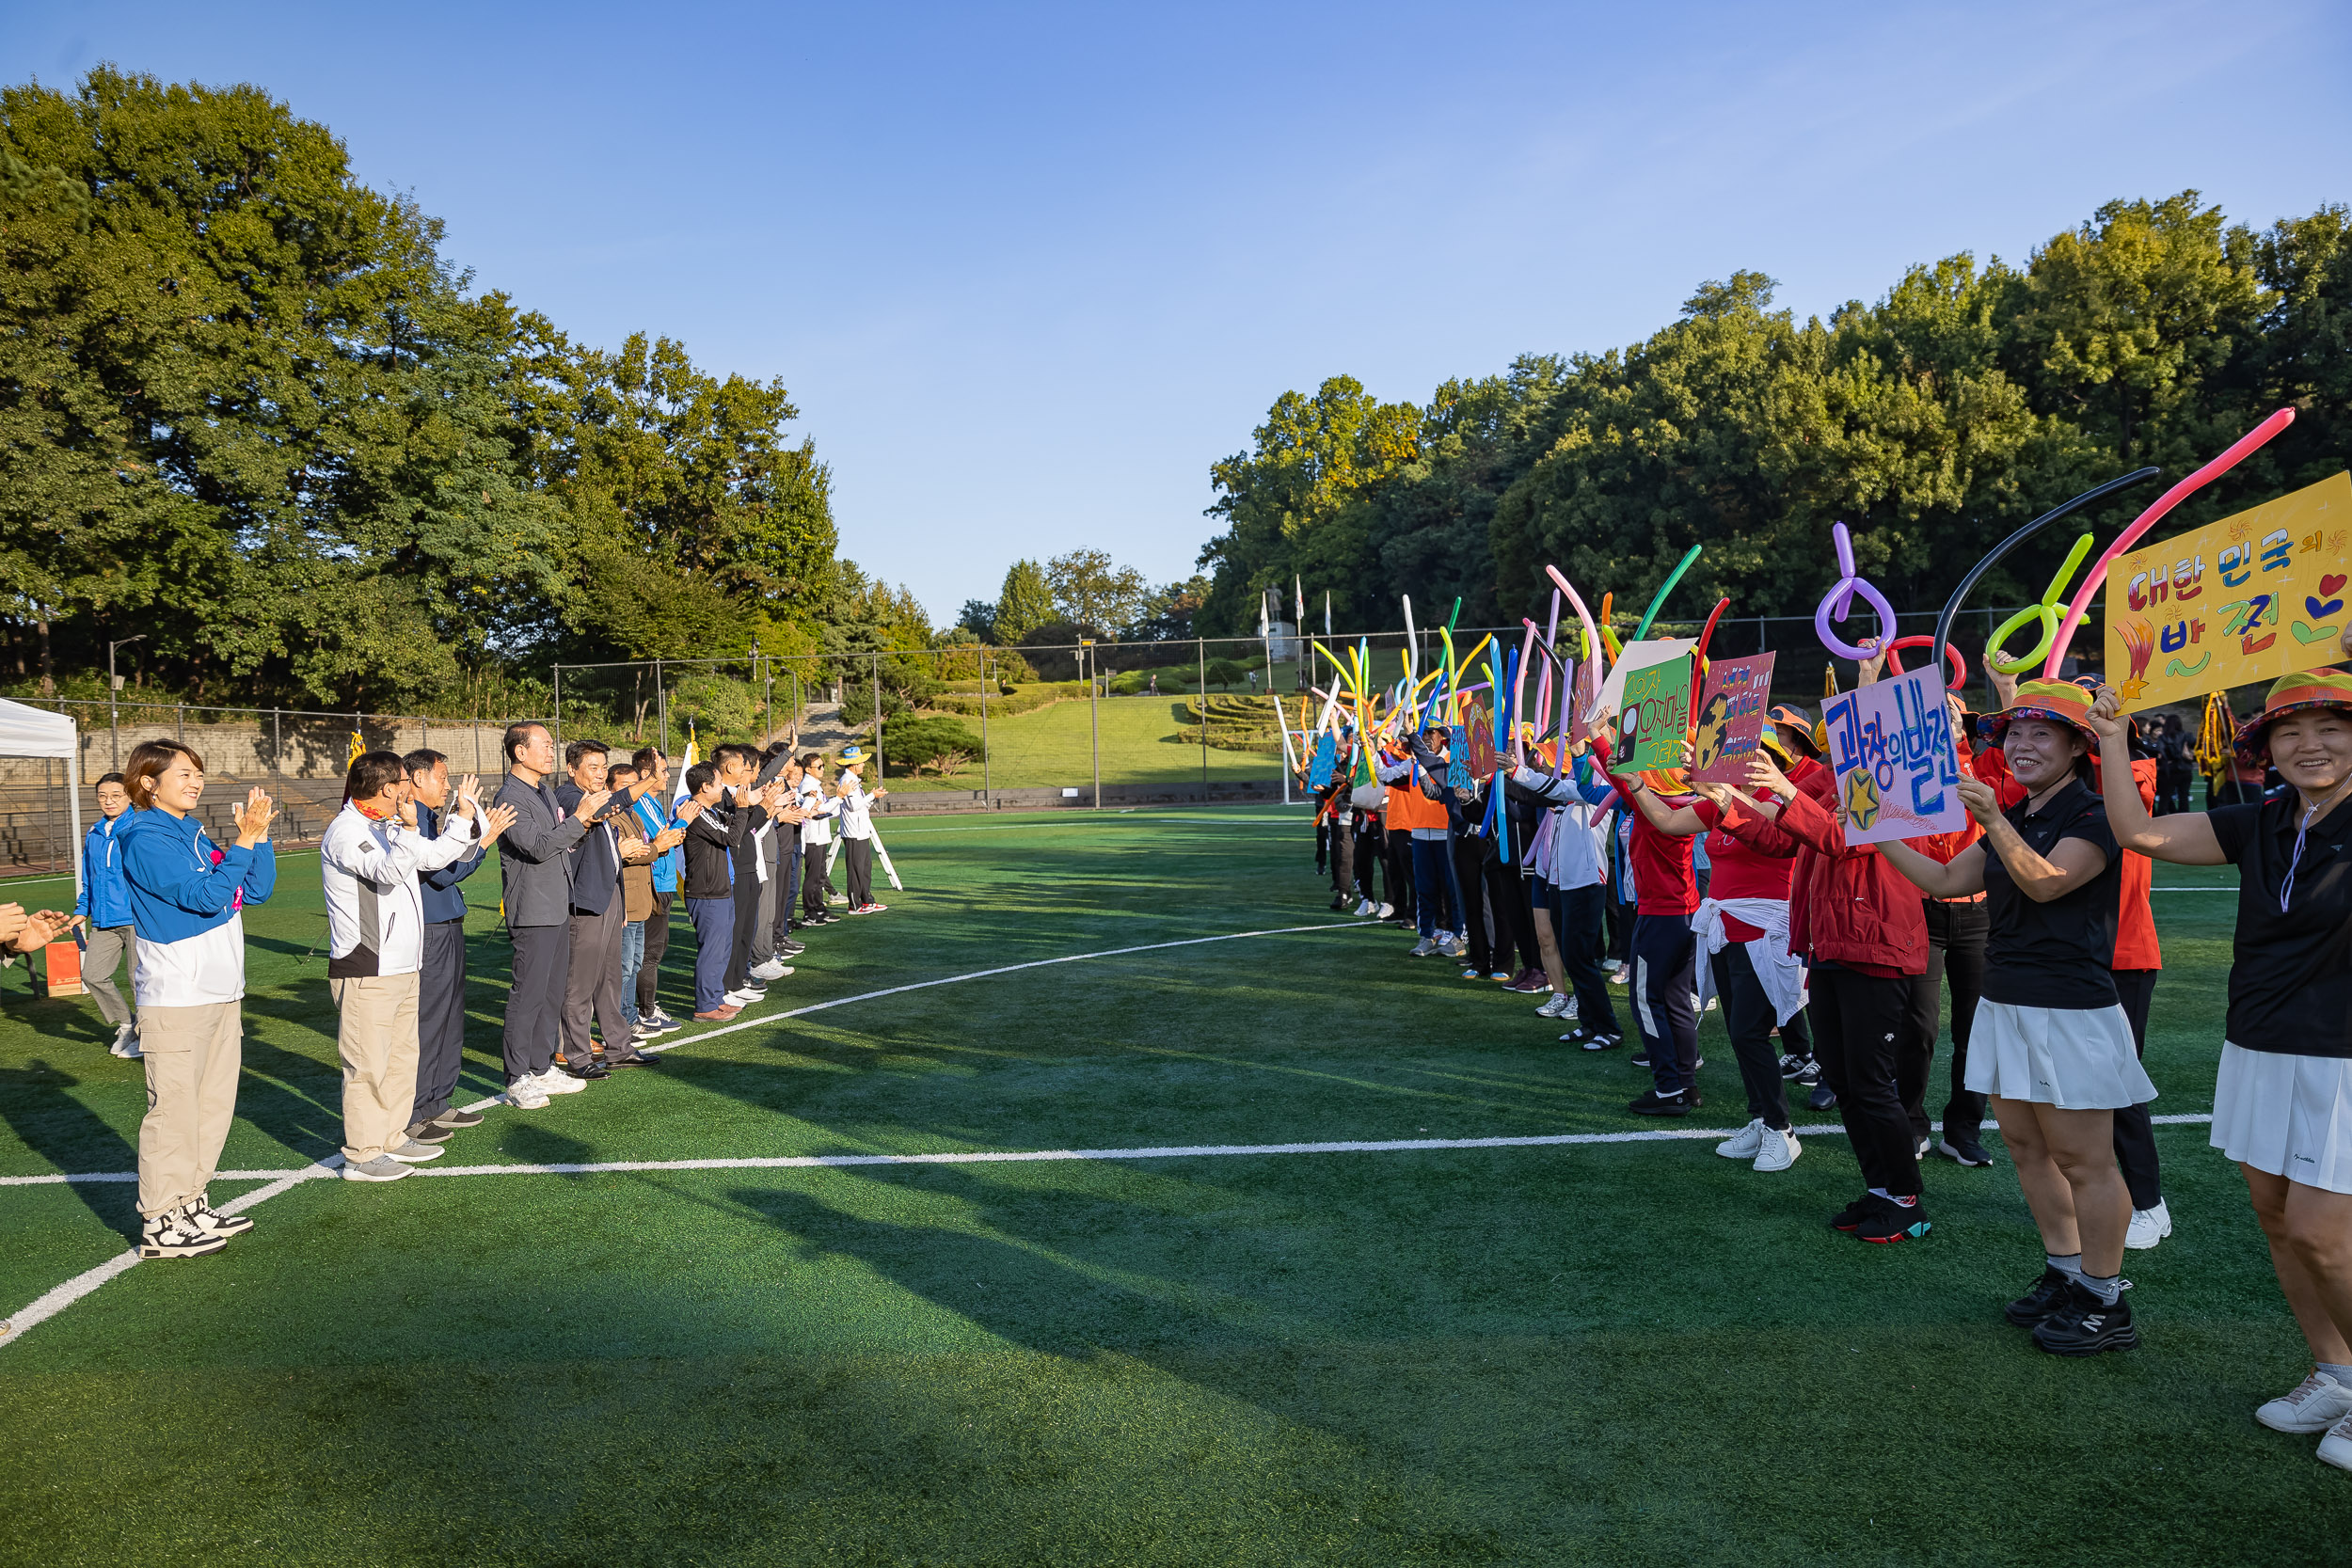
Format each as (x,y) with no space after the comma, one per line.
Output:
(2234,603)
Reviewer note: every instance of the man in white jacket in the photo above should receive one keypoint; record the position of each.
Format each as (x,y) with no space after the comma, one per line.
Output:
(369,863)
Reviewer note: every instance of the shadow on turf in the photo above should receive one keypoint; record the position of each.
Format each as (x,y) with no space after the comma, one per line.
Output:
(36,1100)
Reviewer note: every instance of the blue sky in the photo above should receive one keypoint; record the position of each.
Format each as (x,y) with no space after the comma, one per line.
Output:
(1028,270)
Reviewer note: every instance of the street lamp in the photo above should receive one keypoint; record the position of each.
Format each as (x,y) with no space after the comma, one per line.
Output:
(114,684)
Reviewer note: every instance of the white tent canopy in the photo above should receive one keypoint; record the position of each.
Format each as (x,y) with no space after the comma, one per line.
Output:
(31,732)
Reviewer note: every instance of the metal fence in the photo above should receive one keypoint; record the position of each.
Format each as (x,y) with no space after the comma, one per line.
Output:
(963,727)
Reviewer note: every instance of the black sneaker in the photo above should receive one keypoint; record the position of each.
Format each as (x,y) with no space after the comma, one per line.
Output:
(1792,1067)
(1823,1098)
(2085,1325)
(1640,1059)
(1591,1040)
(1851,1215)
(1807,1076)
(588,1070)
(1649,1103)
(1336,902)
(1963,1150)
(458,1120)
(1886,1221)
(2047,1295)
(432,1133)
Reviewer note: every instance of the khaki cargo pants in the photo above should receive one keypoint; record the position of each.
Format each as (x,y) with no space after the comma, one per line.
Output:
(378,1046)
(192,1056)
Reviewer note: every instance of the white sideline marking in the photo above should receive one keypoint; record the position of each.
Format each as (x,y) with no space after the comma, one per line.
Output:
(82,1284)
(1002,1157)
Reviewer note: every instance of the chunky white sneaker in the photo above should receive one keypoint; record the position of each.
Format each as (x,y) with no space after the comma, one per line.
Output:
(382,1169)
(774,969)
(2314,1405)
(2336,1447)
(1779,1152)
(1557,1005)
(174,1235)
(1386,912)
(1743,1144)
(556,1081)
(744,998)
(126,1044)
(206,1218)
(1363,907)
(2148,1226)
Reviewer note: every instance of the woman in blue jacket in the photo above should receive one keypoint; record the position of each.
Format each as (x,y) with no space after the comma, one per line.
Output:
(186,901)
(104,907)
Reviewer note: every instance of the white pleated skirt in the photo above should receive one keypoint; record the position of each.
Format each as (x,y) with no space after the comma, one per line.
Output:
(2290,1115)
(2074,1058)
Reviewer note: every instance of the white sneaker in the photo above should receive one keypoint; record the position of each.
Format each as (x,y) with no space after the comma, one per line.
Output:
(556,1081)
(1557,1005)
(744,998)
(1926,1143)
(1363,907)
(382,1169)
(525,1095)
(2314,1405)
(414,1153)
(774,969)
(126,1042)
(838,898)
(2148,1227)
(1779,1152)
(2336,1447)
(1387,910)
(1743,1144)
(1423,948)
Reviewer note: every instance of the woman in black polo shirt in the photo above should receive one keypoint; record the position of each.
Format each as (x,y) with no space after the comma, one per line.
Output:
(2282,1101)
(2051,1044)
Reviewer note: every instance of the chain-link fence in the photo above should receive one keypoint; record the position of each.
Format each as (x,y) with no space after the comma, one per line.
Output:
(961,727)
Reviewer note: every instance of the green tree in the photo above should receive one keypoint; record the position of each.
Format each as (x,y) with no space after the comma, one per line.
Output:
(1089,590)
(1024,603)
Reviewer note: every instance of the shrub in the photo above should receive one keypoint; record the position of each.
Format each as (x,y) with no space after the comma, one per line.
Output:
(943,745)
(1224,674)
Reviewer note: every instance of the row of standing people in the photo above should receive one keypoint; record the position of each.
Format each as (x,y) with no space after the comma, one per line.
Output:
(594,854)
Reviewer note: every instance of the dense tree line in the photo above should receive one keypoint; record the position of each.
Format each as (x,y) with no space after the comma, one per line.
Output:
(249,409)
(1966,400)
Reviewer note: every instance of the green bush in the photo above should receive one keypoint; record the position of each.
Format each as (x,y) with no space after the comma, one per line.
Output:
(911,745)
(1009,699)
(1224,674)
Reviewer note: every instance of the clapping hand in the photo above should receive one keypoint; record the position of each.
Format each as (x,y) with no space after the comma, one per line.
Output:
(253,818)
(592,805)
(12,924)
(468,795)
(496,821)
(669,838)
(686,812)
(43,929)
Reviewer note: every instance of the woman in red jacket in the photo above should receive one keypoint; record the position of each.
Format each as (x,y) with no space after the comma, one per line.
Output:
(1859,924)
(2053,1046)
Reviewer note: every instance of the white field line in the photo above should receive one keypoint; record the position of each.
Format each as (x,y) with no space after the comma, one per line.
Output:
(284,1178)
(82,1284)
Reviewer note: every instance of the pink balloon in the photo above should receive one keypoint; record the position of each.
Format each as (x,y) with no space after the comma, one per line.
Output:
(2239,450)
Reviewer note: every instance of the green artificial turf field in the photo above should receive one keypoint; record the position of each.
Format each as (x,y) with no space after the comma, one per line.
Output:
(1596,1352)
(1056,746)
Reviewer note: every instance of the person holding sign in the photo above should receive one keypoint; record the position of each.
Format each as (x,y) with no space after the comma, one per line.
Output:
(1666,894)
(2051,1046)
(1857,923)
(2287,1058)
(1742,929)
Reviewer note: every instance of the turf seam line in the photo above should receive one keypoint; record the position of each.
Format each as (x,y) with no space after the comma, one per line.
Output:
(1011,1156)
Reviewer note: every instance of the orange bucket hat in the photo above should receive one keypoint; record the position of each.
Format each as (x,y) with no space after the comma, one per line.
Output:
(2059,702)
(2293,694)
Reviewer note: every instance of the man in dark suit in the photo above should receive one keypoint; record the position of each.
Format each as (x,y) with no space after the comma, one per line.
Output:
(534,874)
(599,919)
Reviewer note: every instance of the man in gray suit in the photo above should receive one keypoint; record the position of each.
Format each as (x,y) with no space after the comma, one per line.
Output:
(535,873)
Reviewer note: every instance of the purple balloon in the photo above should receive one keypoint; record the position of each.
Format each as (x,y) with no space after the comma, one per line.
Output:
(1839,600)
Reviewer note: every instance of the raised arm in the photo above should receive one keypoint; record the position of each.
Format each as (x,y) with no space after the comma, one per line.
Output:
(527,840)
(2185,838)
